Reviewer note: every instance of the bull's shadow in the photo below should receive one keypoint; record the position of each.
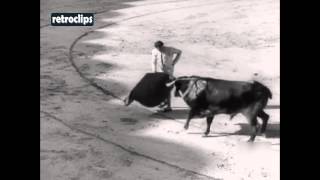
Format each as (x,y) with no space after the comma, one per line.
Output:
(273,129)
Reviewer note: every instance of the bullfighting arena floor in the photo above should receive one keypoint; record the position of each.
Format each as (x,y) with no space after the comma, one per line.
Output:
(87,133)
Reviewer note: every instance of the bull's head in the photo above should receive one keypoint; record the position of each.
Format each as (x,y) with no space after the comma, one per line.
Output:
(181,85)
(174,83)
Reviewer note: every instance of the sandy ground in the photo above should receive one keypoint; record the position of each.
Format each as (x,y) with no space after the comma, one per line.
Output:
(87,133)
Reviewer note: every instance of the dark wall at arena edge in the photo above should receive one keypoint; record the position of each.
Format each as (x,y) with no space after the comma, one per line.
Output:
(72,19)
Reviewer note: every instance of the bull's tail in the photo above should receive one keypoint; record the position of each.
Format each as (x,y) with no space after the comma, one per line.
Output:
(262,88)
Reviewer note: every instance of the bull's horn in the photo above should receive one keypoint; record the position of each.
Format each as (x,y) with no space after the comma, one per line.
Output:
(170,83)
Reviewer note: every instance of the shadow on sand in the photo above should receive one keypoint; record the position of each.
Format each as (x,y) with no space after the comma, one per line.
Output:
(273,129)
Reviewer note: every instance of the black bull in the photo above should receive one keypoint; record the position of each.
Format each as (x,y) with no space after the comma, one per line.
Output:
(208,97)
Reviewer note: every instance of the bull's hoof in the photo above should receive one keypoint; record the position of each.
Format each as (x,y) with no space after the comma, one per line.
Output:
(250,140)
(186,127)
(205,134)
(264,135)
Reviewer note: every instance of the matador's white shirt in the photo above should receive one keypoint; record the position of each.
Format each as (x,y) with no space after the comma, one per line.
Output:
(163,61)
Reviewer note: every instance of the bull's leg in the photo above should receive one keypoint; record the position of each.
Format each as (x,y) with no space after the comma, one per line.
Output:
(265,117)
(190,116)
(209,121)
(254,129)
(169,101)
(251,114)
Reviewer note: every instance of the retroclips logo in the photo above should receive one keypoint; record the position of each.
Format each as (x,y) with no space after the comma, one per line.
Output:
(72,19)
